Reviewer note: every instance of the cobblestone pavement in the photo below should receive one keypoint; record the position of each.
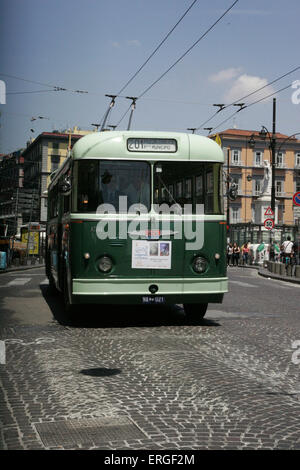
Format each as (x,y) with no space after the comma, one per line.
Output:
(145,379)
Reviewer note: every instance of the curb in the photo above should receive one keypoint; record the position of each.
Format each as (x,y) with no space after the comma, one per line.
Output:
(265,273)
(23,268)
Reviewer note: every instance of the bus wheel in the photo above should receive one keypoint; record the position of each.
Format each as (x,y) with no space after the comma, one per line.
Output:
(195,312)
(52,286)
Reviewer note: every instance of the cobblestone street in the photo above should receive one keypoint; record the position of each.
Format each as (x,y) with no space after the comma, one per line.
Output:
(145,379)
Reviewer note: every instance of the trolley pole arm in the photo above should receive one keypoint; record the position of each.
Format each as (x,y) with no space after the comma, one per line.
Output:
(133,106)
(111,105)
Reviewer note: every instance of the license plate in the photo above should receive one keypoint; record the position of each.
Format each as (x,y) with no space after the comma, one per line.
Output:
(153,300)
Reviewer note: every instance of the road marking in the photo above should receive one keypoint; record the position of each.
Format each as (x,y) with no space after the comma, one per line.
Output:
(242,284)
(19,281)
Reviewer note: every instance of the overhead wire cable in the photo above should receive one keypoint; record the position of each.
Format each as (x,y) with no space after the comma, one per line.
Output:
(250,94)
(29,92)
(157,48)
(181,57)
(252,104)
(188,50)
(268,84)
(55,87)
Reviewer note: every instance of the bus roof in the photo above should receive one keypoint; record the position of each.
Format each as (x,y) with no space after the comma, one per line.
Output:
(114,145)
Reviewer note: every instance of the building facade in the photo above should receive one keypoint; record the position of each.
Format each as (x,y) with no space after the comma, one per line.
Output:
(43,156)
(245,154)
(11,190)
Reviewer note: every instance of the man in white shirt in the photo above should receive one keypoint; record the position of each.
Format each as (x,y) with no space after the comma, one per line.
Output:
(287,247)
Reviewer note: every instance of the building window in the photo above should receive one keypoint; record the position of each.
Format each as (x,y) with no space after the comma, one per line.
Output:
(279,188)
(257,187)
(235,157)
(235,215)
(297,185)
(238,181)
(258,158)
(279,160)
(54,145)
(55,160)
(297,160)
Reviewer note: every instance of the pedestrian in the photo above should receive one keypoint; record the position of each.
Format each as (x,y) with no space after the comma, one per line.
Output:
(236,254)
(229,254)
(272,252)
(296,250)
(245,253)
(296,257)
(287,248)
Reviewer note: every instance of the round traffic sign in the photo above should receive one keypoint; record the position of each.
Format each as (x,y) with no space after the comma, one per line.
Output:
(296,198)
(269,224)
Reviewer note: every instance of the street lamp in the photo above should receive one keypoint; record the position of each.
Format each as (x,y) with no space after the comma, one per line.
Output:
(251,142)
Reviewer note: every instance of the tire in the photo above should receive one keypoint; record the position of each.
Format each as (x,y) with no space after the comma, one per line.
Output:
(52,286)
(195,312)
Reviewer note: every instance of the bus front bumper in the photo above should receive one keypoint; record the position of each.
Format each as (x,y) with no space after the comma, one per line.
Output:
(136,291)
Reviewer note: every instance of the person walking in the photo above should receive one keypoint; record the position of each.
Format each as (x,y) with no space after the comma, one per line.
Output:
(236,254)
(245,253)
(287,248)
(229,254)
(296,257)
(272,252)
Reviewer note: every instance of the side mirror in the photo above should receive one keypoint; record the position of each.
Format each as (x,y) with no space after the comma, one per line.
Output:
(65,186)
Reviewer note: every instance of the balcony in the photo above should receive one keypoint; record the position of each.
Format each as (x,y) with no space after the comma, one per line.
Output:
(236,163)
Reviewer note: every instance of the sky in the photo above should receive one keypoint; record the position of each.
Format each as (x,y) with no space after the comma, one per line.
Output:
(97,46)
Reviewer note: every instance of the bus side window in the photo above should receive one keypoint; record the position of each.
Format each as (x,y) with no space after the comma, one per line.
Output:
(209,191)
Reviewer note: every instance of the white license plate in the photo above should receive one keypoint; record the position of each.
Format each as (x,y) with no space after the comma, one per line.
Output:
(153,300)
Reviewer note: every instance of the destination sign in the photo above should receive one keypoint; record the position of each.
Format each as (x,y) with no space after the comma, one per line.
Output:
(152,145)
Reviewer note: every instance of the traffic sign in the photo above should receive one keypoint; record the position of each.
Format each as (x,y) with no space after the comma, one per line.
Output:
(296,198)
(269,224)
(269,211)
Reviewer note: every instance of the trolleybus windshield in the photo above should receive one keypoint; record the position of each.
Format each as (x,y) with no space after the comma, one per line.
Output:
(189,183)
(104,181)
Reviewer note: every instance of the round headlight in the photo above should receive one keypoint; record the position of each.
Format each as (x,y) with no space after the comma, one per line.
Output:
(199,264)
(105,264)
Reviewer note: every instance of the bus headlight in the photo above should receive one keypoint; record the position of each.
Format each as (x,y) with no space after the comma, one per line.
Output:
(199,265)
(105,264)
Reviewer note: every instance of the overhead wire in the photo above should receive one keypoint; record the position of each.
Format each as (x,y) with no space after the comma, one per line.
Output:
(188,50)
(181,57)
(157,48)
(248,95)
(150,57)
(55,87)
(251,104)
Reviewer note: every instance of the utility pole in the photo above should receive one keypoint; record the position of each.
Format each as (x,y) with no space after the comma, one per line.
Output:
(228,212)
(273,149)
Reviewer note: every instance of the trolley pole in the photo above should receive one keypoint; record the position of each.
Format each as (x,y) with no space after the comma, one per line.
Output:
(133,105)
(111,105)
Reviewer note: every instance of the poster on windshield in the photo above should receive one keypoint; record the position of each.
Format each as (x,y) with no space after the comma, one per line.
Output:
(151,255)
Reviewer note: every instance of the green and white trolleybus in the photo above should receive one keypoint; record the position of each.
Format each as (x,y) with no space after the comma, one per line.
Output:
(137,218)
